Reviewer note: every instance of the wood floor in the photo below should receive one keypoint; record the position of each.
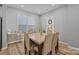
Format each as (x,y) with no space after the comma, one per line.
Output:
(17,49)
(13,49)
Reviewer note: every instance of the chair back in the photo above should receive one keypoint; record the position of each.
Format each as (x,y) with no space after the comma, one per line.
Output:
(26,41)
(55,39)
(47,44)
(49,32)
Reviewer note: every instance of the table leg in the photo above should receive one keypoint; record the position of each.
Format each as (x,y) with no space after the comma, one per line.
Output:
(40,50)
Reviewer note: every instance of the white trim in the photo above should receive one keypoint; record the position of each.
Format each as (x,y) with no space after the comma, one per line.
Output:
(71,47)
(74,48)
(63,42)
(3,48)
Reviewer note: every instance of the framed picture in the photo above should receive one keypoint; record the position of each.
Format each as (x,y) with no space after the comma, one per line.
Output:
(50,21)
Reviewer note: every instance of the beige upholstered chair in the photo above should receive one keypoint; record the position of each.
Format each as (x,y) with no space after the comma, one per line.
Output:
(47,44)
(27,43)
(54,42)
(49,32)
(47,48)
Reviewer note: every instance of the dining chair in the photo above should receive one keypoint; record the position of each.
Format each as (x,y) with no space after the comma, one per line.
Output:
(49,31)
(55,42)
(47,48)
(27,46)
(47,44)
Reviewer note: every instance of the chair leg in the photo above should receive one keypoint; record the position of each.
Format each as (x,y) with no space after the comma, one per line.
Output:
(35,52)
(0,49)
(29,52)
(25,51)
(50,52)
(56,50)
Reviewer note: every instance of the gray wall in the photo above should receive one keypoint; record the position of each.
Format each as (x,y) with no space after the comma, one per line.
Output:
(58,15)
(11,22)
(0,11)
(12,13)
(71,28)
(4,35)
(66,22)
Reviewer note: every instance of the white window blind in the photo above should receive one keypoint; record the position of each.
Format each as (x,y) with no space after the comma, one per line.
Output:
(25,23)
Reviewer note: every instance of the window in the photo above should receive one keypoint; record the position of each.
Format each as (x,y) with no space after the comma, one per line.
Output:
(25,23)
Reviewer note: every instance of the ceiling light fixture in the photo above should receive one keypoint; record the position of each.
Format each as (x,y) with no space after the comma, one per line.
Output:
(22,6)
(53,4)
(39,12)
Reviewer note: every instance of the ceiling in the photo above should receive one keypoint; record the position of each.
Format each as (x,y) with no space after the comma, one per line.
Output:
(36,8)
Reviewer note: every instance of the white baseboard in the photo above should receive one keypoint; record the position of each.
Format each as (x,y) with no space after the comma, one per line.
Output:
(70,46)
(74,48)
(63,42)
(4,48)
